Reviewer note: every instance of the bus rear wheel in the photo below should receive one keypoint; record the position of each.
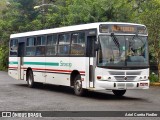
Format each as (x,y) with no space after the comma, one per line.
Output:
(78,90)
(119,93)
(30,79)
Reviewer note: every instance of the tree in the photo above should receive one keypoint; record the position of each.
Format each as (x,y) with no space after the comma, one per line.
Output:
(13,19)
(71,12)
(150,17)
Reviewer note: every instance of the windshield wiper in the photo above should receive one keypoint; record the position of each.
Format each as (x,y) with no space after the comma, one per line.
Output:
(115,40)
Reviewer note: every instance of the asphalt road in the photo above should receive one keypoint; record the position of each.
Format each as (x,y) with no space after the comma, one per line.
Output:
(16,96)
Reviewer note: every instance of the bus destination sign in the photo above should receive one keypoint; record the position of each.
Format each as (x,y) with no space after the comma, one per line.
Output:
(119,28)
(125,29)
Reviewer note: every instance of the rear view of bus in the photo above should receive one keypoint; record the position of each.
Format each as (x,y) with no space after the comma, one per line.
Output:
(96,56)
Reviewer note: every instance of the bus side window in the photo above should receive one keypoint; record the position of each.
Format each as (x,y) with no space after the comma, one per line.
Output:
(40,43)
(78,43)
(51,48)
(64,44)
(13,47)
(30,48)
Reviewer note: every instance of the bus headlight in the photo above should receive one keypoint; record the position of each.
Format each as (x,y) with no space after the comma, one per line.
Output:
(104,77)
(143,78)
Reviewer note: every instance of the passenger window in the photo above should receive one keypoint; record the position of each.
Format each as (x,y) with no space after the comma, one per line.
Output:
(51,48)
(40,46)
(41,41)
(64,44)
(31,48)
(31,41)
(78,44)
(13,47)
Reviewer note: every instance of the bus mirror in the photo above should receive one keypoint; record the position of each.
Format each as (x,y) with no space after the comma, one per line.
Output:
(96,46)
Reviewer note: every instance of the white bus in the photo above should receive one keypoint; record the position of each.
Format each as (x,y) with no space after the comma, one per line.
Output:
(96,56)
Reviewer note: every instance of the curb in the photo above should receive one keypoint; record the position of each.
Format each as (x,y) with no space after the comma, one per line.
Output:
(155,84)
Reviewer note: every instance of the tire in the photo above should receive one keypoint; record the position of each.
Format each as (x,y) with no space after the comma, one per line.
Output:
(78,90)
(30,79)
(119,93)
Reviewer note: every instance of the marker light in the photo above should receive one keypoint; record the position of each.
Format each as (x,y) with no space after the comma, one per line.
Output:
(99,77)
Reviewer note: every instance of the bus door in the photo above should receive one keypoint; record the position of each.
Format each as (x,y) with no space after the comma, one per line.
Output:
(21,50)
(92,60)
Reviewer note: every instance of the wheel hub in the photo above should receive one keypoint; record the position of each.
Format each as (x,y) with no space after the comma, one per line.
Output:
(29,80)
(78,85)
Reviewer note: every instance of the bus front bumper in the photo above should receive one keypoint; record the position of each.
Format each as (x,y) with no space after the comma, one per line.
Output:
(122,85)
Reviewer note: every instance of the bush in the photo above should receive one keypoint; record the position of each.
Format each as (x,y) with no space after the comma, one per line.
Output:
(153,77)
(3,58)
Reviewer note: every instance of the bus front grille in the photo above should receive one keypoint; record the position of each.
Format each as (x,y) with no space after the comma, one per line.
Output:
(125,72)
(125,78)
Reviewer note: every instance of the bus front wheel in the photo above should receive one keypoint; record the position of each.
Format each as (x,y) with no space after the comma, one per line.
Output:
(119,93)
(78,90)
(30,79)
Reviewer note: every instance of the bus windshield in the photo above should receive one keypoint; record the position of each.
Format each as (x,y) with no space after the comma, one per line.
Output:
(123,51)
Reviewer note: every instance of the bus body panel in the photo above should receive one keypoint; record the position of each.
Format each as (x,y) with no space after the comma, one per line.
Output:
(13,67)
(81,64)
(60,74)
(38,67)
(58,70)
(123,79)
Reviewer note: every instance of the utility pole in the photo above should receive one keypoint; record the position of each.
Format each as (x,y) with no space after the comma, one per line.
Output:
(43,2)
(43,15)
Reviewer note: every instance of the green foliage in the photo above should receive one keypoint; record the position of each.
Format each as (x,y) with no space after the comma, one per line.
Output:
(153,77)
(150,17)
(3,58)
(20,16)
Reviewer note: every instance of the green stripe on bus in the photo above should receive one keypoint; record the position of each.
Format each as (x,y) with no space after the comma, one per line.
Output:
(12,62)
(37,63)
(41,63)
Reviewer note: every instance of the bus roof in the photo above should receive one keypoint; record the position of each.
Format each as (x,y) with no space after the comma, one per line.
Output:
(67,29)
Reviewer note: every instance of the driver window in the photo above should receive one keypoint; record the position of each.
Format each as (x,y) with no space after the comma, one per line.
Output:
(105,53)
